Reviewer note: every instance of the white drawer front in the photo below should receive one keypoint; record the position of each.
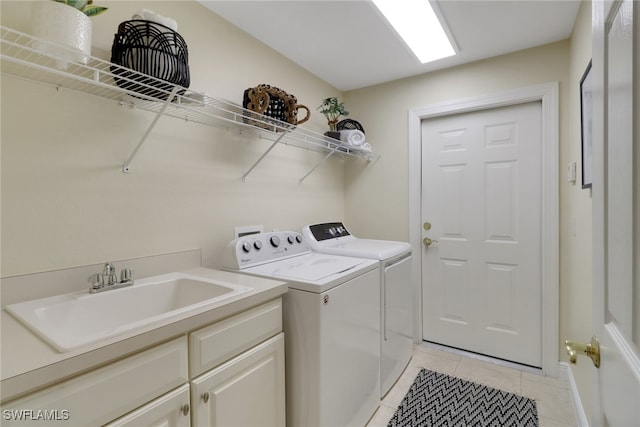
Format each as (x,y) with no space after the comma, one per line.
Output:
(106,393)
(222,341)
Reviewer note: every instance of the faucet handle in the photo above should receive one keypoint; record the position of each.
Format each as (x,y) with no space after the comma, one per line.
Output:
(96,281)
(109,275)
(108,269)
(126,274)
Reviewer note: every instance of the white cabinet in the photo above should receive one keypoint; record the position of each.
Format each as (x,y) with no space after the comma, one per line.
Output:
(235,378)
(237,370)
(102,395)
(248,390)
(172,409)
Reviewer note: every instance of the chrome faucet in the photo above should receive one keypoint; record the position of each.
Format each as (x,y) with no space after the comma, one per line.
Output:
(108,279)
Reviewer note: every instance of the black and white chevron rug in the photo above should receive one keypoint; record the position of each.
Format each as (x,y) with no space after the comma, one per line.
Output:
(438,400)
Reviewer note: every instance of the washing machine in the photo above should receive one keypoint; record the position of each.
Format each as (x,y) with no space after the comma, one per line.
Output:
(331,321)
(396,307)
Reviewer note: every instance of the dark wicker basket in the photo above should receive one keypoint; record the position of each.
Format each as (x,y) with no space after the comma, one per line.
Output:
(348,124)
(154,50)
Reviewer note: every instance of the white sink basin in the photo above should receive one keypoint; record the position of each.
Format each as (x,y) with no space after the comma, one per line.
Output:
(79,318)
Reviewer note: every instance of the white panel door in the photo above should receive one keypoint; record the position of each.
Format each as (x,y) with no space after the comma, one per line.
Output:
(481,193)
(616,217)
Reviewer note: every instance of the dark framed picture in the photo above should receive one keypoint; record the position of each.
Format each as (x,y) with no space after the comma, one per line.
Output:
(586,115)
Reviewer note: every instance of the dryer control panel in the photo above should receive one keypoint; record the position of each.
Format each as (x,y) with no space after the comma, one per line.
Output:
(256,249)
(328,230)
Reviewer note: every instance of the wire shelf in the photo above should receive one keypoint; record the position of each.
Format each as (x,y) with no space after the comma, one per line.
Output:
(35,59)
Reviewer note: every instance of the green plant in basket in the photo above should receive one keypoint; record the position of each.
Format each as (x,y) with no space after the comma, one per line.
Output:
(85,6)
(332,110)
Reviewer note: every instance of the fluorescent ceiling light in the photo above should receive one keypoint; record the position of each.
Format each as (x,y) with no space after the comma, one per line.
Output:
(416,22)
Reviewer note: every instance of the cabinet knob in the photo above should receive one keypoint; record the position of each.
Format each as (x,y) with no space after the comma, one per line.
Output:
(185,409)
(205,397)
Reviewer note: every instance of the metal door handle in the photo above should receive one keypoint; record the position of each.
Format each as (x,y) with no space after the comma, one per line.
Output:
(591,350)
(427,241)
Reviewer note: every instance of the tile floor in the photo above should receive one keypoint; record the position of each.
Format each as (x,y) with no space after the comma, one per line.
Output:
(552,396)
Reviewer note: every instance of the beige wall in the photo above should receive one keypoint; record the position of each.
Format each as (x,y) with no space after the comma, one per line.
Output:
(576,226)
(65,201)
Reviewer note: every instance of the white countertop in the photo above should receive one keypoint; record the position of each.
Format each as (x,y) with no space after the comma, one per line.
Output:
(27,363)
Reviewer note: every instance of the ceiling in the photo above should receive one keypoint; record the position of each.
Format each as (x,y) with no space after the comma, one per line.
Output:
(350,45)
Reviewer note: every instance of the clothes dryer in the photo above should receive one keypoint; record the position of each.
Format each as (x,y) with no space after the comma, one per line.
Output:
(396,340)
(331,325)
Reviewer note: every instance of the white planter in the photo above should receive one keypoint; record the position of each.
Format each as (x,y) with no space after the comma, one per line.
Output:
(64,30)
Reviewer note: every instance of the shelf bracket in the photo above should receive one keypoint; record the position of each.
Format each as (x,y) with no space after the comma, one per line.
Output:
(126,168)
(324,159)
(244,177)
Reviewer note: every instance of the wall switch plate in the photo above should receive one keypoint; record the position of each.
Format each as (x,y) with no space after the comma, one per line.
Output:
(245,230)
(571,172)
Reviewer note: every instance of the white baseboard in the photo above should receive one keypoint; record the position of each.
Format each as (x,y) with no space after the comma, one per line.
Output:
(565,373)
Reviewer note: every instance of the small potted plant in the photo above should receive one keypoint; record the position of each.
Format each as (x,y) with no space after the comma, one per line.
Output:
(85,6)
(64,22)
(332,110)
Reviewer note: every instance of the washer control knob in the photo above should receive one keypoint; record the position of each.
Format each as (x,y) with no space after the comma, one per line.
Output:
(275,241)
(246,247)
(257,244)
(291,240)
(332,231)
(299,238)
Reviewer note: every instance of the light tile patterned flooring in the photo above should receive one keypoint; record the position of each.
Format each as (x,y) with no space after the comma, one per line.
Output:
(552,396)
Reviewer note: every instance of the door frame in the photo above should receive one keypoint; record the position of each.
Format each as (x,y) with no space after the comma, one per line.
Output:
(547,93)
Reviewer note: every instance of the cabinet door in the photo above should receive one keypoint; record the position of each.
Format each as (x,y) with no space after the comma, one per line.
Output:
(172,409)
(246,391)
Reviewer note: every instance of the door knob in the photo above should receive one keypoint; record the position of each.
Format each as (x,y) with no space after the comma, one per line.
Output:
(591,350)
(427,241)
